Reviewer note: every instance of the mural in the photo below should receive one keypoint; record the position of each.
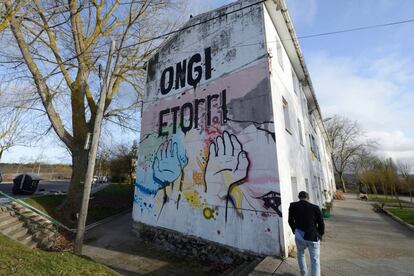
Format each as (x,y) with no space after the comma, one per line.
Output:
(202,152)
(223,164)
(207,163)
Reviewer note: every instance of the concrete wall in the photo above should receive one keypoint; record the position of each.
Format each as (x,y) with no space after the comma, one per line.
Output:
(217,159)
(207,164)
(298,164)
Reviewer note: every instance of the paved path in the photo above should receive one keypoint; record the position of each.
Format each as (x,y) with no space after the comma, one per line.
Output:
(114,245)
(406,198)
(363,242)
(359,241)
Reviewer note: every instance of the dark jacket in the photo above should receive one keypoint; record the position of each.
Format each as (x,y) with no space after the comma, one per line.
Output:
(307,217)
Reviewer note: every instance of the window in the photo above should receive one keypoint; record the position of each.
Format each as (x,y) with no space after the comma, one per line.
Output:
(314,146)
(312,122)
(300,132)
(304,104)
(311,143)
(296,86)
(294,183)
(316,190)
(286,115)
(307,186)
(279,50)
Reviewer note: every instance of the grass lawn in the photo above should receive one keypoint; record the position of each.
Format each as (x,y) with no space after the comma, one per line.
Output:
(110,201)
(383,199)
(16,259)
(406,214)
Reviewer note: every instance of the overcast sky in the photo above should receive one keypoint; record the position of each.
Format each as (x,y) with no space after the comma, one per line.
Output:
(366,76)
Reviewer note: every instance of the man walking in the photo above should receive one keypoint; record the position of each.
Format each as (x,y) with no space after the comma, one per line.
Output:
(307,224)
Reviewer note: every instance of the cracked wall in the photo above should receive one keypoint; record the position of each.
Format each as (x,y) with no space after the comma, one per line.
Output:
(207,164)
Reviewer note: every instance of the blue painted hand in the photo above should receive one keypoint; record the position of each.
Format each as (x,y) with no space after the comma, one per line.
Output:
(168,163)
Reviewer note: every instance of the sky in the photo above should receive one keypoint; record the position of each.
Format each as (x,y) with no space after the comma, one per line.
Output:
(367,76)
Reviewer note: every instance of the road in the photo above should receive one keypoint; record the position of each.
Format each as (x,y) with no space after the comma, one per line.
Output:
(6,187)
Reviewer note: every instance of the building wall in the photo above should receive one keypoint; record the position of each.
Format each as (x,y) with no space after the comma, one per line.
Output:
(207,165)
(301,166)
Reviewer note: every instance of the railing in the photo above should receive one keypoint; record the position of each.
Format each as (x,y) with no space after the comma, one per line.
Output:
(55,222)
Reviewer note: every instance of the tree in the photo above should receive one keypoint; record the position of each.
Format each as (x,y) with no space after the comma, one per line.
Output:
(389,178)
(407,178)
(6,14)
(10,131)
(61,45)
(344,137)
(11,126)
(364,165)
(123,161)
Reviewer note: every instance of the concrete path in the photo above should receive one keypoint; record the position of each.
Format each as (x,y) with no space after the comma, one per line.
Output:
(358,241)
(114,245)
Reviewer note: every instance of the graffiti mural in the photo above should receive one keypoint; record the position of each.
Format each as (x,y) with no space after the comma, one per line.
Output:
(207,163)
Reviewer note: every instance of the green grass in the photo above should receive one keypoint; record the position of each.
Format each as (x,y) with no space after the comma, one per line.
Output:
(406,214)
(110,201)
(16,259)
(45,204)
(383,199)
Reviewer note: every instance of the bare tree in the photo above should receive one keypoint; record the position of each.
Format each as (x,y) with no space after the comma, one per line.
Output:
(344,137)
(12,131)
(122,161)
(6,14)
(61,45)
(404,172)
(389,178)
(364,166)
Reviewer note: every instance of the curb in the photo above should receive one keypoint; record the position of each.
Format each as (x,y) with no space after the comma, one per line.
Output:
(105,220)
(268,266)
(394,217)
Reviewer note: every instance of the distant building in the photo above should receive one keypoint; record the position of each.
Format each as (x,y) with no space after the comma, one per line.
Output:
(231,131)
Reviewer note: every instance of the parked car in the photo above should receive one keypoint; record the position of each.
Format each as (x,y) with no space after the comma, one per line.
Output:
(99,179)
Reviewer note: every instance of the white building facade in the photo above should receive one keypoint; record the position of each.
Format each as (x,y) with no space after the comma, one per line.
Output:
(231,131)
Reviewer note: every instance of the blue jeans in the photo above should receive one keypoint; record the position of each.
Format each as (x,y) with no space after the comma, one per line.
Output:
(314,249)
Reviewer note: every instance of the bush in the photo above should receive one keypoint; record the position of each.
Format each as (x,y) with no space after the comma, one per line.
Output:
(339,195)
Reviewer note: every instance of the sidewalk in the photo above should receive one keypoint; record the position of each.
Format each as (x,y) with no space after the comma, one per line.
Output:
(114,245)
(358,241)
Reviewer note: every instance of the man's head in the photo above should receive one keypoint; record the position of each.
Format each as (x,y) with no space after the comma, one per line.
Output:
(303,195)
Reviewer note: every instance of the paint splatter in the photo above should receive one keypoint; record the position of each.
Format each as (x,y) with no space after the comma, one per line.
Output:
(198,178)
(193,198)
(208,213)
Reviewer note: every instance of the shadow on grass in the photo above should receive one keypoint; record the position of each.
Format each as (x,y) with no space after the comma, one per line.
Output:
(110,201)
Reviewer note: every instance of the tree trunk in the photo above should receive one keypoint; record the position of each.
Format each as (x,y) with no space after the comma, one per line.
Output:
(374,189)
(71,205)
(397,197)
(343,182)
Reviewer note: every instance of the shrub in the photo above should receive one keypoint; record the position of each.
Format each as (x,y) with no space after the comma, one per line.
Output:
(339,195)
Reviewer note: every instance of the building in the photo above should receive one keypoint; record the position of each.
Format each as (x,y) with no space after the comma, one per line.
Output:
(231,131)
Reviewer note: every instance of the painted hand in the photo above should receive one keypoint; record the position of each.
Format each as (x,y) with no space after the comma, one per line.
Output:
(227,165)
(168,163)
